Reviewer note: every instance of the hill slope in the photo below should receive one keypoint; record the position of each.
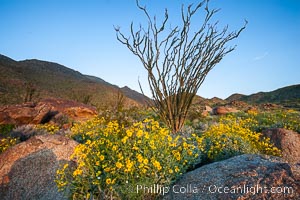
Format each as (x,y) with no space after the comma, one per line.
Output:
(198,100)
(46,79)
(287,96)
(35,79)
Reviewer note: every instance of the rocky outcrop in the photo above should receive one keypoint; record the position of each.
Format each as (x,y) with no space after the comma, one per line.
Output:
(238,104)
(24,113)
(252,177)
(222,110)
(27,170)
(270,106)
(74,110)
(287,141)
(45,111)
(289,144)
(206,111)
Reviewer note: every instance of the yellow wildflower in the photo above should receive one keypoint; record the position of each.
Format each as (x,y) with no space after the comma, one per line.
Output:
(119,165)
(124,139)
(115,147)
(145,161)
(140,158)
(101,157)
(157,165)
(108,181)
(77,172)
(129,133)
(139,133)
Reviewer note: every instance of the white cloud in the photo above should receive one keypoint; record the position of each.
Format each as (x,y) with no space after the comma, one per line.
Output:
(261,57)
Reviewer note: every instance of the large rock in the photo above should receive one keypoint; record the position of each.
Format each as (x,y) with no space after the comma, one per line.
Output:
(24,113)
(270,106)
(45,111)
(207,110)
(238,104)
(76,111)
(27,170)
(289,144)
(222,110)
(252,177)
(286,140)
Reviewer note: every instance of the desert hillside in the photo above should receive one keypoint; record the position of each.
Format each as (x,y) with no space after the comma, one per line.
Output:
(287,96)
(32,80)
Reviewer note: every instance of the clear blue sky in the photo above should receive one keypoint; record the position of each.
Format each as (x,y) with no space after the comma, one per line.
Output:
(79,34)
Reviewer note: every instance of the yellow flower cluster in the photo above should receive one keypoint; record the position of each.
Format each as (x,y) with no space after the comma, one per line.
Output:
(232,136)
(114,158)
(61,180)
(258,121)
(7,142)
(280,119)
(50,128)
(156,164)
(89,130)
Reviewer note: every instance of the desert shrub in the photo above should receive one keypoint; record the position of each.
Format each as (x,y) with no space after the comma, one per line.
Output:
(5,129)
(288,119)
(61,119)
(15,135)
(7,142)
(202,124)
(24,132)
(48,128)
(232,136)
(280,119)
(112,159)
(127,116)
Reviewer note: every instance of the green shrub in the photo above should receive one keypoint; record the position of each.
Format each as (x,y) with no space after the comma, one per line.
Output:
(5,129)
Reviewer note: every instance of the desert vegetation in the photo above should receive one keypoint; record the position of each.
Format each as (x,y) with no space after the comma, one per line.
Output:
(112,158)
(177,60)
(114,155)
(125,143)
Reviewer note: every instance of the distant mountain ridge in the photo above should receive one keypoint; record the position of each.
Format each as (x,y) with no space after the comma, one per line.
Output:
(49,79)
(134,95)
(200,101)
(287,96)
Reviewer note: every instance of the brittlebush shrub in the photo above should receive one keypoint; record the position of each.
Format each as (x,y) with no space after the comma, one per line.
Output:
(7,142)
(232,136)
(49,128)
(289,119)
(113,160)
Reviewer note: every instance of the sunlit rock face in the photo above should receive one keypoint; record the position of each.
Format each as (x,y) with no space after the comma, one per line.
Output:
(241,177)
(45,111)
(28,169)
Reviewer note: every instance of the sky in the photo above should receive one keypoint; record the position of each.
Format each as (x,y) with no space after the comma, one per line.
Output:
(80,34)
